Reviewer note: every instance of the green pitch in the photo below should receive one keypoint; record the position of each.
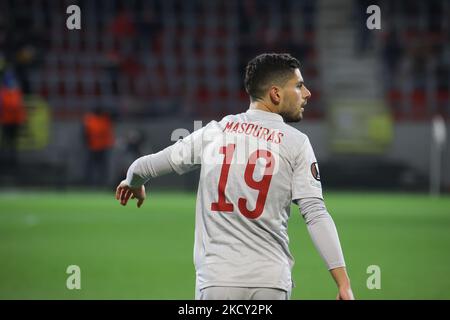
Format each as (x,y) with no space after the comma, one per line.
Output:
(130,253)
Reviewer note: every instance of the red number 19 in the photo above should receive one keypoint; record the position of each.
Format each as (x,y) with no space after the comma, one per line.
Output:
(262,185)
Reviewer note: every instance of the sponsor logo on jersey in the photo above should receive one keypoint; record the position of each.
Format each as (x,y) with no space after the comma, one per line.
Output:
(315,171)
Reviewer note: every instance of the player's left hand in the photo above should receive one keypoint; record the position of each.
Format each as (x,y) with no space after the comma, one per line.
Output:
(345,293)
(124,192)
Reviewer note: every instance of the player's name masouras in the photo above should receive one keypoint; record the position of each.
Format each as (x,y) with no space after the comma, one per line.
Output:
(270,135)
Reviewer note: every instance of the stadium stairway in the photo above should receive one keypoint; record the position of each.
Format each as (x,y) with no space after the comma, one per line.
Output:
(346,72)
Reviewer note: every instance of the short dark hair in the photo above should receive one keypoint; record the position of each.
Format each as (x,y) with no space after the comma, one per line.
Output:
(268,68)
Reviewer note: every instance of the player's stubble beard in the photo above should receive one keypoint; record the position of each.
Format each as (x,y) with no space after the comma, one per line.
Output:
(293,114)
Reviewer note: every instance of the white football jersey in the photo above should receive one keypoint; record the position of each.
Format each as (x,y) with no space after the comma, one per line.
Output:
(253,165)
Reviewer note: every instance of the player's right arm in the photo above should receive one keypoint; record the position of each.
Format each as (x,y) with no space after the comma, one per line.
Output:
(181,157)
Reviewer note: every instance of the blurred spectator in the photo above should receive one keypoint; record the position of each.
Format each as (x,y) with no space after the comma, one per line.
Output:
(130,148)
(99,138)
(24,43)
(134,144)
(12,116)
(26,58)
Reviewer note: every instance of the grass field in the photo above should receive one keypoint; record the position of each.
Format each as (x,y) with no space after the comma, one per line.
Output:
(126,253)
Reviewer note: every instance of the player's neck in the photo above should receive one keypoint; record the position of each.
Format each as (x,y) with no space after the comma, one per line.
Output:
(261,105)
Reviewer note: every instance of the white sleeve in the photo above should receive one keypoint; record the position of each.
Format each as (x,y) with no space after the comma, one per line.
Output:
(181,157)
(322,231)
(306,176)
(186,154)
(150,166)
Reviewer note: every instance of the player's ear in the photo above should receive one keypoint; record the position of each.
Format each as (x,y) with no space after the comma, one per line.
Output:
(275,95)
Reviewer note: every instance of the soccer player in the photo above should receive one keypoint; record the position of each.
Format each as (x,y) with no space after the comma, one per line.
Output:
(253,165)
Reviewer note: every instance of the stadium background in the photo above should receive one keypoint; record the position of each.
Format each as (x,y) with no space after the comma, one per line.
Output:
(158,66)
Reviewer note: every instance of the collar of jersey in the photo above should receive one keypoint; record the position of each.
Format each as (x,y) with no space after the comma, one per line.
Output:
(265,114)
